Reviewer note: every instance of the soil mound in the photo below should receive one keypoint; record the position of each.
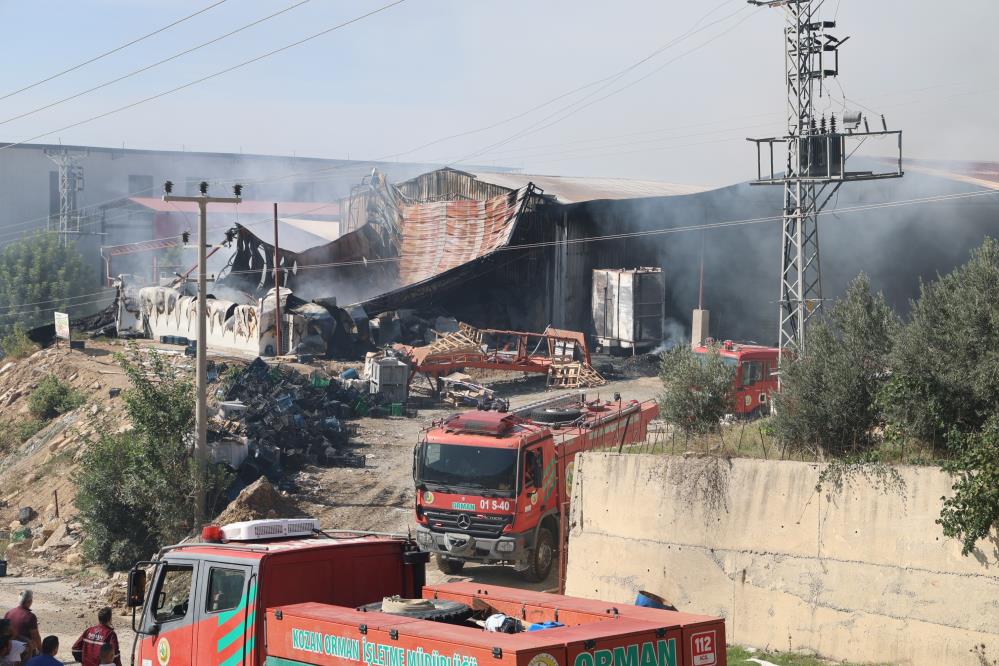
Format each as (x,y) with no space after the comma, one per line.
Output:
(257,501)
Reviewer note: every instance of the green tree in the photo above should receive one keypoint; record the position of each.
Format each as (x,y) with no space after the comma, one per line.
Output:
(40,274)
(136,490)
(697,390)
(828,399)
(973,511)
(945,363)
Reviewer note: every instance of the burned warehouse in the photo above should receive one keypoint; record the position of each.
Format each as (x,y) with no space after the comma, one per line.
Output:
(522,257)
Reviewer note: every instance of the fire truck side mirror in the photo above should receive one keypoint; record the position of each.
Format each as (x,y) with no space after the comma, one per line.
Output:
(136,588)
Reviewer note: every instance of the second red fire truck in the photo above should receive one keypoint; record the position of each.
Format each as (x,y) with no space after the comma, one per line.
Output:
(492,486)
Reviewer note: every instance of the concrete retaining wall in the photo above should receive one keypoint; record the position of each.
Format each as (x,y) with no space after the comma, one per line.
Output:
(862,573)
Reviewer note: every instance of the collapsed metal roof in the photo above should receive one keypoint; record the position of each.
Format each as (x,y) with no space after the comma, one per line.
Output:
(402,242)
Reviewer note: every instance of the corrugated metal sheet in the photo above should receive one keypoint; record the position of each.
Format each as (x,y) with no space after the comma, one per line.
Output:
(568,189)
(447,184)
(440,236)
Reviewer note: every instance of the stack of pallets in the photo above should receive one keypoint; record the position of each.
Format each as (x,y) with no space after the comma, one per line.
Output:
(573,375)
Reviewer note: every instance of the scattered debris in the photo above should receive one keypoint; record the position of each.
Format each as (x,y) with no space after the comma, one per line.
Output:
(284,419)
(457,389)
(561,355)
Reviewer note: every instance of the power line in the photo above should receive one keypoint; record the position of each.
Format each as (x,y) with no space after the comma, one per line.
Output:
(53,309)
(56,300)
(570,111)
(656,232)
(573,241)
(146,68)
(209,76)
(569,93)
(112,51)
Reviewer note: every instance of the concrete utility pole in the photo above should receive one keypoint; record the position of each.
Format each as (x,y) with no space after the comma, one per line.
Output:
(201,380)
(817,153)
(277,288)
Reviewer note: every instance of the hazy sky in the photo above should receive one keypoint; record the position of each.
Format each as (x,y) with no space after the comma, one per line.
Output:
(426,69)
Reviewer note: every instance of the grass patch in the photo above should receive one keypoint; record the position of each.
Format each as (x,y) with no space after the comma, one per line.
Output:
(738,656)
(14,434)
(752,439)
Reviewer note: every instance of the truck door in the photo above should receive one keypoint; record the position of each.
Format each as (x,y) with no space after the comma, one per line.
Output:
(538,482)
(168,627)
(225,614)
(752,388)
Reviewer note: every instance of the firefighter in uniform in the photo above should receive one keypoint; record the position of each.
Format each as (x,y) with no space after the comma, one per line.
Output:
(87,648)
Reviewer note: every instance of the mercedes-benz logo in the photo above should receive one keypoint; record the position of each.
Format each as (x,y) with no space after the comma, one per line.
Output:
(464,521)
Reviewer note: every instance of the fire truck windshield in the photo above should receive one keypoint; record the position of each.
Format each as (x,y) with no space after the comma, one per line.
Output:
(727,360)
(453,466)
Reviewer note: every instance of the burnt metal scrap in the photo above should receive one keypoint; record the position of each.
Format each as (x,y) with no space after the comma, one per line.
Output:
(286,419)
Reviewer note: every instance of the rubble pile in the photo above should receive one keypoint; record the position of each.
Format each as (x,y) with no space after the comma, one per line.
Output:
(257,501)
(285,419)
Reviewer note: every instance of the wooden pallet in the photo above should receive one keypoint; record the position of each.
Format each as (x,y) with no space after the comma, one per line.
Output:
(463,340)
(573,375)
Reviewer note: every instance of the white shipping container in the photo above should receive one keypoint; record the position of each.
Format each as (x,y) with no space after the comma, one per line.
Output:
(629,306)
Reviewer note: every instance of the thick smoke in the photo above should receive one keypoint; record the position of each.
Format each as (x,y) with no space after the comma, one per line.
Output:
(895,246)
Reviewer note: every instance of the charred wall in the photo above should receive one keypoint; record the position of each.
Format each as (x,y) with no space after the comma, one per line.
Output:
(896,246)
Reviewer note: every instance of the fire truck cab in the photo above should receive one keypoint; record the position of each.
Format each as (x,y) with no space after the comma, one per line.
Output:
(755,378)
(492,486)
(283,593)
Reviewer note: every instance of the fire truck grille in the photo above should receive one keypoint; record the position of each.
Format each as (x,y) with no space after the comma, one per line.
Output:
(479,525)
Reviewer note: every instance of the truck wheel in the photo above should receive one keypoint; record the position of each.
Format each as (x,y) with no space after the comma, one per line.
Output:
(555,415)
(542,557)
(435,610)
(449,565)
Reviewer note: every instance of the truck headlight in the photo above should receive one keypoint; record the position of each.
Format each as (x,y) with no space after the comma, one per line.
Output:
(424,538)
(505,546)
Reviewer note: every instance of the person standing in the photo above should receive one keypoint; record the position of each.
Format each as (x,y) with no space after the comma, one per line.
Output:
(87,648)
(24,623)
(15,653)
(50,647)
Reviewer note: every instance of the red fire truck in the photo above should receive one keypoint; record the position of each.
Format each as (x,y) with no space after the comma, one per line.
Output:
(755,374)
(491,486)
(280,593)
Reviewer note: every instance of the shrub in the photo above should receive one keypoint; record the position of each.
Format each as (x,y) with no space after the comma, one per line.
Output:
(51,398)
(17,345)
(136,489)
(696,390)
(973,511)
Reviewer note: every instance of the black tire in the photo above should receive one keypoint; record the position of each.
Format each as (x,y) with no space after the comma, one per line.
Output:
(556,415)
(448,612)
(542,557)
(448,565)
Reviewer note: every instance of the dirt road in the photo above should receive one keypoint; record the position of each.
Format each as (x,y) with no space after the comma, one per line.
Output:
(381,497)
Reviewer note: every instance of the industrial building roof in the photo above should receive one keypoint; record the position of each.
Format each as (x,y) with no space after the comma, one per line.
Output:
(983,174)
(572,189)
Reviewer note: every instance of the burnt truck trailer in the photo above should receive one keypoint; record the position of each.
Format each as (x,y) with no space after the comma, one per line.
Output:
(282,593)
(493,486)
